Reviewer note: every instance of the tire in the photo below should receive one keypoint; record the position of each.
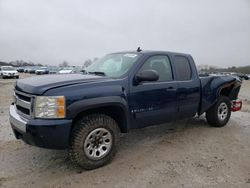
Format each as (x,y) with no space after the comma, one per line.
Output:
(90,153)
(219,114)
(17,77)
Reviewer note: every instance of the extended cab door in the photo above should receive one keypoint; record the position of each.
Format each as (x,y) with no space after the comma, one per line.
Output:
(154,102)
(188,92)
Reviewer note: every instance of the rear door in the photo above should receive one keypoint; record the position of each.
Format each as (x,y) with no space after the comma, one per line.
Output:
(188,92)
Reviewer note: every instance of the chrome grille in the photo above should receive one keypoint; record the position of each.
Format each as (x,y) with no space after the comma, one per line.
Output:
(23,103)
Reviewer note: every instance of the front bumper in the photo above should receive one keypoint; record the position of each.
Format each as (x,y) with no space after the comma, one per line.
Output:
(10,75)
(52,134)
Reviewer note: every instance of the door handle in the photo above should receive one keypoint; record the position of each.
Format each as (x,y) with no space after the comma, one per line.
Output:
(171,89)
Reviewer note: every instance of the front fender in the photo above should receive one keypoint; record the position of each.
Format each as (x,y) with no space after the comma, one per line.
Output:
(87,104)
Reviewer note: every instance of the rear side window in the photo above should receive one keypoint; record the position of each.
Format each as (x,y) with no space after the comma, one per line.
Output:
(183,69)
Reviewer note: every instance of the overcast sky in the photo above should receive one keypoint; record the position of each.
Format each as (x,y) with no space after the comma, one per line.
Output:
(215,32)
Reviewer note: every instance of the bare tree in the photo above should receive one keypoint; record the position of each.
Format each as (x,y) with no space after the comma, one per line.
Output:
(87,62)
(64,64)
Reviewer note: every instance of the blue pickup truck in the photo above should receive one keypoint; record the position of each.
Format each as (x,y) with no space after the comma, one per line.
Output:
(85,113)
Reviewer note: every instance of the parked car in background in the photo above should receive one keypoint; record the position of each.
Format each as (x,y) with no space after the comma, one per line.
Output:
(42,70)
(54,70)
(243,76)
(8,72)
(70,70)
(20,69)
(26,69)
(78,69)
(66,70)
(33,69)
(203,74)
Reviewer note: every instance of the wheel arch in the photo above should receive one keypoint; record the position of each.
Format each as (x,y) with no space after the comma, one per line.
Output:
(115,107)
(229,90)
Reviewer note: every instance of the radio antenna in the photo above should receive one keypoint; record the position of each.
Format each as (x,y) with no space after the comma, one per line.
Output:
(139,49)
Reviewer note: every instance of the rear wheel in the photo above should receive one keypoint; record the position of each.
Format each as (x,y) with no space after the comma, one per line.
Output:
(219,114)
(93,141)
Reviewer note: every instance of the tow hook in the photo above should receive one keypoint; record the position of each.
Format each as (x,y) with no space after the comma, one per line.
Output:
(236,105)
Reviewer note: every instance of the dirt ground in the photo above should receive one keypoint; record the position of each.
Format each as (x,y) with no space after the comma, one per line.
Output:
(186,153)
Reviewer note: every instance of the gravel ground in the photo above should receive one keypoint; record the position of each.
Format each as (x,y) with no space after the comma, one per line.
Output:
(186,153)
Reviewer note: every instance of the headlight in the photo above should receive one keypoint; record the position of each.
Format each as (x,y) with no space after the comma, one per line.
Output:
(5,73)
(50,107)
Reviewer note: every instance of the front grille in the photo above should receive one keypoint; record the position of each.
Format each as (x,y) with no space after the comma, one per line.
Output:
(23,104)
(23,110)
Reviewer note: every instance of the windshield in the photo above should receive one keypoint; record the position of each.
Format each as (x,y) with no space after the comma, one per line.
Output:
(8,68)
(113,65)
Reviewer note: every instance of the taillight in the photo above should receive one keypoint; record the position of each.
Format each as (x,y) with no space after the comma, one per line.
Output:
(236,105)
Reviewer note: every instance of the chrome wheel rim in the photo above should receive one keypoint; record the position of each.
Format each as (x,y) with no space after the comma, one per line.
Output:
(222,111)
(98,143)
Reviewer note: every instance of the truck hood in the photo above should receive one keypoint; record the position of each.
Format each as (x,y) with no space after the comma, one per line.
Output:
(37,85)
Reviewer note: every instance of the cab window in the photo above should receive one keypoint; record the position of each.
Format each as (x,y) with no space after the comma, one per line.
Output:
(162,65)
(183,69)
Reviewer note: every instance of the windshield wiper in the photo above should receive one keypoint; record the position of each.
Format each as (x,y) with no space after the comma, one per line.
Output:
(97,73)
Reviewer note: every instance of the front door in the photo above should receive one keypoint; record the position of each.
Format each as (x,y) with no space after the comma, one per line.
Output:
(154,102)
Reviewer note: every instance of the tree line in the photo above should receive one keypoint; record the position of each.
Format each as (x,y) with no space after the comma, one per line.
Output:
(243,69)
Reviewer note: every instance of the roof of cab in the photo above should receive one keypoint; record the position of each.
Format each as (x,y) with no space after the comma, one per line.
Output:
(151,52)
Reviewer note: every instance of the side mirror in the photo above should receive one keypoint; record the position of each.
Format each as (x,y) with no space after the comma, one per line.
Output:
(146,75)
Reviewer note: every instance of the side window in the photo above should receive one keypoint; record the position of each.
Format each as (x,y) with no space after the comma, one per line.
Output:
(183,69)
(161,64)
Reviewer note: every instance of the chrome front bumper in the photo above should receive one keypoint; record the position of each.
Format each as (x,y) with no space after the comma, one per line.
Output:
(16,120)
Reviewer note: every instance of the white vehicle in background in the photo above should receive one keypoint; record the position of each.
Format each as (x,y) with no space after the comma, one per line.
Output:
(42,70)
(8,72)
(66,70)
(71,70)
(248,75)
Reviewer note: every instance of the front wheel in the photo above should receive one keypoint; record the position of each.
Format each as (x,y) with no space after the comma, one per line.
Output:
(93,141)
(219,114)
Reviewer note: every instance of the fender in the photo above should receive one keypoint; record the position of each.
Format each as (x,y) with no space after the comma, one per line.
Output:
(87,104)
(211,90)
(234,87)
